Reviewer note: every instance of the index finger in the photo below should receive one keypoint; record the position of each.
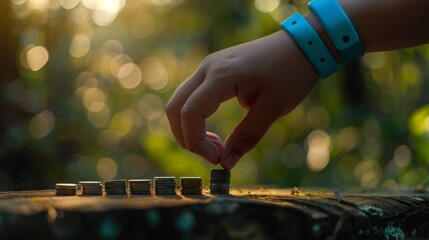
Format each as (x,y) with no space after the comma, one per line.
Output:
(203,102)
(176,102)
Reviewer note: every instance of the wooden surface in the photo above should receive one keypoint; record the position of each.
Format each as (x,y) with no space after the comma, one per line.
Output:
(244,214)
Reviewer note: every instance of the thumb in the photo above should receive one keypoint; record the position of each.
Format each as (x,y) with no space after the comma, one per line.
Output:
(248,133)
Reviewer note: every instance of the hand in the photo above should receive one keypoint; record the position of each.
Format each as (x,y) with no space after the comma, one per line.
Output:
(269,76)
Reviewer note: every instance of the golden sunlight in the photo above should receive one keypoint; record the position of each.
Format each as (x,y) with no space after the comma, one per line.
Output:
(37,57)
(318,150)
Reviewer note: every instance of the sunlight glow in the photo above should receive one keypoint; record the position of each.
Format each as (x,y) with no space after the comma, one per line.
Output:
(69,4)
(348,139)
(42,124)
(38,5)
(318,150)
(80,16)
(37,57)
(368,173)
(93,95)
(419,121)
(117,62)
(99,115)
(154,73)
(86,79)
(150,106)
(402,156)
(129,75)
(80,45)
(96,106)
(18,2)
(104,12)
(266,5)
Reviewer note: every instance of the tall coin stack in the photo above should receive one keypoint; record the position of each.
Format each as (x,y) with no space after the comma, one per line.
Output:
(66,189)
(219,181)
(115,187)
(191,185)
(91,187)
(165,185)
(140,186)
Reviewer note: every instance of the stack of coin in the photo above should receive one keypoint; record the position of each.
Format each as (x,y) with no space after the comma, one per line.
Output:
(91,187)
(140,186)
(165,185)
(219,181)
(66,189)
(191,185)
(115,187)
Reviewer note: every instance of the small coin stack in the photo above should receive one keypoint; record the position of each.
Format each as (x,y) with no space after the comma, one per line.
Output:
(191,185)
(115,187)
(91,187)
(165,185)
(66,189)
(140,186)
(219,181)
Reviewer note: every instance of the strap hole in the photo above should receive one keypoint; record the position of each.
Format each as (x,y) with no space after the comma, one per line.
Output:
(294,22)
(346,39)
(310,42)
(322,59)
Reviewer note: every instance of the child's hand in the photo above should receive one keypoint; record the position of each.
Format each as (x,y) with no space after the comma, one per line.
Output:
(269,77)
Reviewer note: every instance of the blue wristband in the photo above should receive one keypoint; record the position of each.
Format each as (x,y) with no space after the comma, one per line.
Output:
(339,28)
(311,44)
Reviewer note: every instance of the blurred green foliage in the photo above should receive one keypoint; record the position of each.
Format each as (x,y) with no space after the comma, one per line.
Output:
(95,76)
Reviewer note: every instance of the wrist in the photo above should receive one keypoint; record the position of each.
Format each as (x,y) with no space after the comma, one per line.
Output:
(340,29)
(316,24)
(310,44)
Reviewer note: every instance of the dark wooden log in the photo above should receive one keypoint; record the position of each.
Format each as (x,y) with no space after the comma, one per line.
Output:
(245,214)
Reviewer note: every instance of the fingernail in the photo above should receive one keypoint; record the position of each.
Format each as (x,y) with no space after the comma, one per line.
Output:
(230,161)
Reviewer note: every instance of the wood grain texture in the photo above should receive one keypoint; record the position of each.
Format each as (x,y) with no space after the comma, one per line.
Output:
(245,214)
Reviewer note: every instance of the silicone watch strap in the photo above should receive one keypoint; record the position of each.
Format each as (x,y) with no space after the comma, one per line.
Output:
(311,44)
(339,28)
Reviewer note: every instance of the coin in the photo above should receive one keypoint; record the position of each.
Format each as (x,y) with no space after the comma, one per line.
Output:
(66,189)
(219,181)
(191,185)
(220,174)
(91,187)
(165,185)
(115,187)
(140,186)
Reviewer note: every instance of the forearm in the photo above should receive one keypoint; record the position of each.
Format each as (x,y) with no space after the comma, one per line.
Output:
(384,24)
(389,24)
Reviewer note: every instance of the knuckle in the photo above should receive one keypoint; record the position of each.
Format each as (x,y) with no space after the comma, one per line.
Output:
(222,67)
(186,112)
(223,64)
(171,109)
